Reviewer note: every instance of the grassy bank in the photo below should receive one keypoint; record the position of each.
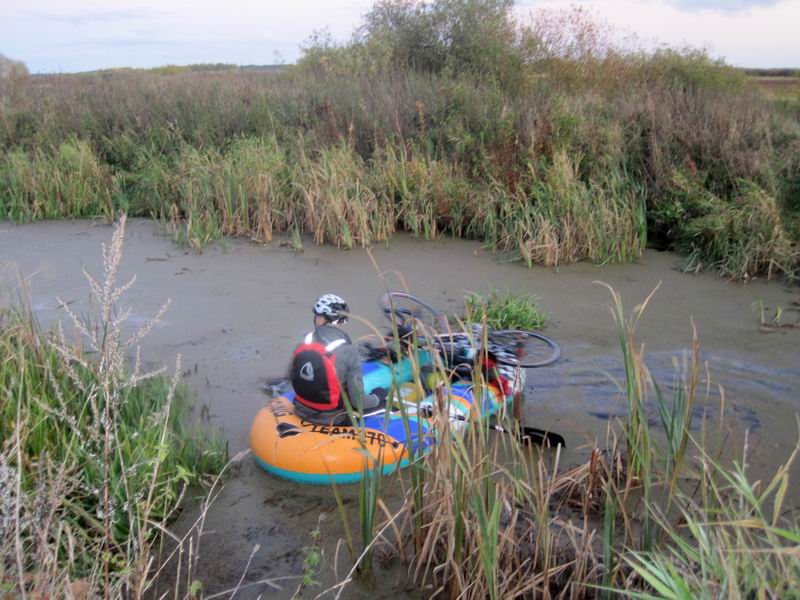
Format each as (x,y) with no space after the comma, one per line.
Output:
(96,453)
(543,138)
(654,512)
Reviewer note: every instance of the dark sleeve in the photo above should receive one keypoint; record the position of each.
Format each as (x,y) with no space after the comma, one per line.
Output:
(348,369)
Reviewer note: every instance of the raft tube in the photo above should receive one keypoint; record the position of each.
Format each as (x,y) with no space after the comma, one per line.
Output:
(291,448)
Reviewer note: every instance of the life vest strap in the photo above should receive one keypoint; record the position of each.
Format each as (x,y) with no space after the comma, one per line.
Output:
(329,347)
(334,345)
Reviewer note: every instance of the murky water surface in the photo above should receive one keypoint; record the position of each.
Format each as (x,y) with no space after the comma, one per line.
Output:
(238,310)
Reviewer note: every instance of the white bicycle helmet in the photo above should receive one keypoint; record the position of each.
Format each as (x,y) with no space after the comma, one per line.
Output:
(332,307)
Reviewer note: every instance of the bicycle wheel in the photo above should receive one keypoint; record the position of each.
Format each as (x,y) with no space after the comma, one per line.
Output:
(526,349)
(408,311)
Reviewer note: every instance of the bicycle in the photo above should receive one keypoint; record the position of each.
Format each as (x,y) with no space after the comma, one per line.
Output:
(509,347)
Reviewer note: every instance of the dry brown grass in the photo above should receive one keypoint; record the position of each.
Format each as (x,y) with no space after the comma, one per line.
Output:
(779,86)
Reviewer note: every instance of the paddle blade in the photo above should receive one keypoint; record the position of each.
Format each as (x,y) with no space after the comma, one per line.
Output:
(548,439)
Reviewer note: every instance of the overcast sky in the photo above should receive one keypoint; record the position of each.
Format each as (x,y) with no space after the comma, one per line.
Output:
(59,35)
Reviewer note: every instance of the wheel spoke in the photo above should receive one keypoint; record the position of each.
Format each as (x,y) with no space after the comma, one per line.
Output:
(409,311)
(526,349)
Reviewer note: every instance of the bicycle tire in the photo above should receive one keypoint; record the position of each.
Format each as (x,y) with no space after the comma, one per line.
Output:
(392,310)
(553,355)
(554,350)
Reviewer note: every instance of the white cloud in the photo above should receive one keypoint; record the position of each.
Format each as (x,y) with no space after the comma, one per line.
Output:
(84,17)
(722,5)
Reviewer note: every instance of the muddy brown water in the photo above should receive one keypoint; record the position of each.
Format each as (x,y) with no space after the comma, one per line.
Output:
(238,310)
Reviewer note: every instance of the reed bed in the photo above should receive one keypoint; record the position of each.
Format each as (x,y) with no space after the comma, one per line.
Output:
(70,181)
(258,189)
(241,192)
(340,206)
(654,513)
(96,452)
(431,197)
(551,151)
(556,218)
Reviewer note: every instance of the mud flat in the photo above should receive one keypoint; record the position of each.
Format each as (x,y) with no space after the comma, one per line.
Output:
(238,310)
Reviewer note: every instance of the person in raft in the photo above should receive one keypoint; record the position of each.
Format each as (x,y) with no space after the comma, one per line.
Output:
(326,369)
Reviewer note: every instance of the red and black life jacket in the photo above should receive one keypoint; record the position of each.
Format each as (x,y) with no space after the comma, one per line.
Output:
(314,374)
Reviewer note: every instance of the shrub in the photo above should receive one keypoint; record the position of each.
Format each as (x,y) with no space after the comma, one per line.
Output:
(14,69)
(480,37)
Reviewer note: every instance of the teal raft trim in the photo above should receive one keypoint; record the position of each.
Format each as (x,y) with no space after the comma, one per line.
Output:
(326,479)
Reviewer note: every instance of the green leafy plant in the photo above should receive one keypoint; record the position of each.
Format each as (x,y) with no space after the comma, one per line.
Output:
(507,310)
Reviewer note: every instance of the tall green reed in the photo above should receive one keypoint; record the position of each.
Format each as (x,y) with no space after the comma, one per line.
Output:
(493,518)
(68,181)
(101,449)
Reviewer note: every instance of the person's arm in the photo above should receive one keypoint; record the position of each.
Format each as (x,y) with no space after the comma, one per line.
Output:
(348,366)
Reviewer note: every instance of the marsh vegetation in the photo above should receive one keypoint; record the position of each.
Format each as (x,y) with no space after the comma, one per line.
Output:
(97,451)
(654,512)
(545,138)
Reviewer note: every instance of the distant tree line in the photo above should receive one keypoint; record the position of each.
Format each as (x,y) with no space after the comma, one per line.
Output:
(773,72)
